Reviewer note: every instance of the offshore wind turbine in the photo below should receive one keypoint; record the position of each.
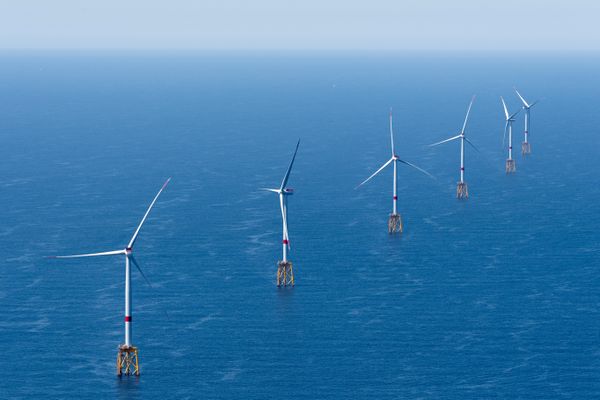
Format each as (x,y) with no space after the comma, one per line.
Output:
(526,147)
(462,190)
(285,271)
(510,118)
(127,357)
(395,220)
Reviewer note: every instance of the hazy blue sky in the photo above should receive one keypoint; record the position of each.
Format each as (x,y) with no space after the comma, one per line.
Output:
(307,24)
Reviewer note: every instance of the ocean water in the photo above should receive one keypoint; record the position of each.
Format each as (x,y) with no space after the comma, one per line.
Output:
(494,297)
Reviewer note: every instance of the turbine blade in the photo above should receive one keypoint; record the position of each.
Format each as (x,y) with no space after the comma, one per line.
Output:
(534,103)
(137,231)
(504,136)
(515,114)
(392,133)
(522,99)
(505,109)
(134,261)
(284,218)
(106,253)
(472,145)
(467,116)
(417,168)
(444,141)
(141,272)
(287,174)
(376,172)
(271,190)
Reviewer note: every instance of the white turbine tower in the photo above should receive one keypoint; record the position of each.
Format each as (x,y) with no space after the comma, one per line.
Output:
(462,190)
(127,358)
(285,271)
(510,118)
(526,147)
(395,221)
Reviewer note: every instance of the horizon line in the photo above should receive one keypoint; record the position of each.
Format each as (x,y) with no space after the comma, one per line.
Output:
(298,50)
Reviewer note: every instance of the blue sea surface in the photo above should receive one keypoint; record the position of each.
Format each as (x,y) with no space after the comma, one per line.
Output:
(494,297)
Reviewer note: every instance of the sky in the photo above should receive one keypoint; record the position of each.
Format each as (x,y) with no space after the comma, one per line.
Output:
(477,25)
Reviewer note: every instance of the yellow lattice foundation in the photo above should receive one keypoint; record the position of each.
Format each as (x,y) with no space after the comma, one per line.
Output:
(462,190)
(395,223)
(127,361)
(510,166)
(285,273)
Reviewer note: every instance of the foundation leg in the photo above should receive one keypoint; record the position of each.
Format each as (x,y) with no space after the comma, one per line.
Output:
(526,148)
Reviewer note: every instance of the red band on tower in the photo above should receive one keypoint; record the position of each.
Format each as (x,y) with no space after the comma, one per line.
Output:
(285,241)
(127,318)
(395,197)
